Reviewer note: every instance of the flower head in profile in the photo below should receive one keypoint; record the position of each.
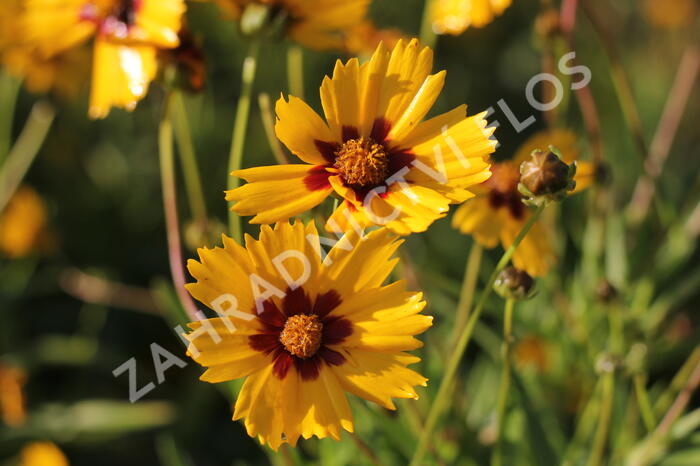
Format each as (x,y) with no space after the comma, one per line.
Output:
(316,24)
(497,214)
(455,16)
(127,35)
(63,74)
(373,150)
(303,331)
(23,224)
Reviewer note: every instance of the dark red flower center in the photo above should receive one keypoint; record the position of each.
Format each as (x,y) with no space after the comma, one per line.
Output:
(504,189)
(299,331)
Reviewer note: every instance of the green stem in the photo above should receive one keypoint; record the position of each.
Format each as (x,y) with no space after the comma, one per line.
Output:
(616,348)
(643,401)
(9,89)
(620,79)
(295,70)
(188,158)
(601,435)
(497,458)
(172,226)
(427,34)
(239,131)
(466,296)
(25,150)
(442,397)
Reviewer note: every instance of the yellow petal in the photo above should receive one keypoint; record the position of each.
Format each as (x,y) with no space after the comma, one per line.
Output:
(299,128)
(563,139)
(120,77)
(477,218)
(358,263)
(535,254)
(277,193)
(379,377)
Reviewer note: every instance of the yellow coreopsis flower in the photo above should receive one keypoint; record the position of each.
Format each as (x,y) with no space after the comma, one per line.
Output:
(316,24)
(372,150)
(23,224)
(497,214)
(127,35)
(42,454)
(63,73)
(455,16)
(303,331)
(364,38)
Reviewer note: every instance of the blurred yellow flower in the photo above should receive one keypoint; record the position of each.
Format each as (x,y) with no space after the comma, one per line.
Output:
(23,225)
(455,16)
(127,35)
(670,14)
(12,403)
(373,151)
(336,329)
(532,351)
(497,214)
(42,454)
(316,24)
(64,73)
(364,38)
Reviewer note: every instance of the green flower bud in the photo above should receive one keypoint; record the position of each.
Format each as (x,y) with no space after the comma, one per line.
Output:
(546,177)
(263,21)
(514,283)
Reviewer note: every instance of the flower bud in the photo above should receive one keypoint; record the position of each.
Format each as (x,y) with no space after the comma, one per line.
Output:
(605,291)
(262,20)
(546,177)
(514,283)
(547,24)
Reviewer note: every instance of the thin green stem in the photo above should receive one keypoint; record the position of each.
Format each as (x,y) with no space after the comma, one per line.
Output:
(25,150)
(643,402)
(295,70)
(172,225)
(504,388)
(620,79)
(616,348)
(466,296)
(601,435)
(427,33)
(188,158)
(442,397)
(9,89)
(240,128)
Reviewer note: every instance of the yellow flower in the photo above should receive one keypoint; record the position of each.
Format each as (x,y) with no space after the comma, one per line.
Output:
(364,38)
(316,24)
(373,151)
(42,454)
(12,406)
(63,73)
(127,35)
(304,331)
(455,16)
(670,14)
(497,214)
(23,224)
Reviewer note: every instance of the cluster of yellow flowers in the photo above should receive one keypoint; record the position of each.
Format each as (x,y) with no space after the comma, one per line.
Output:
(311,326)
